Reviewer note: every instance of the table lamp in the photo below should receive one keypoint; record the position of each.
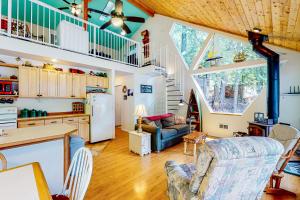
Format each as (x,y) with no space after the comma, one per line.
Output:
(140,111)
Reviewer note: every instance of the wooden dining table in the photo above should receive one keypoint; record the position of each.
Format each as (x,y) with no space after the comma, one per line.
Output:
(12,183)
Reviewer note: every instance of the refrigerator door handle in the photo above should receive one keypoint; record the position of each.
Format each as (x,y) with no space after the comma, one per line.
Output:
(92,111)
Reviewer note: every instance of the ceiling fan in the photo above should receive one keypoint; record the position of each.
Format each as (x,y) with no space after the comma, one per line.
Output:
(117,18)
(74,7)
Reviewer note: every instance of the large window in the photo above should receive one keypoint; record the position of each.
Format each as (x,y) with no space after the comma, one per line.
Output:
(227,49)
(188,41)
(232,91)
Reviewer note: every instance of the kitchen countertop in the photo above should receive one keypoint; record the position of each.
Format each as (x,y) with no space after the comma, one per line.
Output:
(31,135)
(52,117)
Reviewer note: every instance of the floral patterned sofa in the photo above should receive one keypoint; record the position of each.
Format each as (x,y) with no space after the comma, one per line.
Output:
(232,168)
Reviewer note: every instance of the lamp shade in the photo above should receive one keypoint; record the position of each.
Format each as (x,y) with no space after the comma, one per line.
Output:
(140,110)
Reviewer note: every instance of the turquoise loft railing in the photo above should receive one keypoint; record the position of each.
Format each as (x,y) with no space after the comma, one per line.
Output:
(36,21)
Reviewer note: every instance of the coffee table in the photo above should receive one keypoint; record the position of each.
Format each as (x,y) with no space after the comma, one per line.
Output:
(193,138)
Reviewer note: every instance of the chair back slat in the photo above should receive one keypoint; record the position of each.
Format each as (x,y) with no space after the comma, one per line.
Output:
(79,175)
(3,161)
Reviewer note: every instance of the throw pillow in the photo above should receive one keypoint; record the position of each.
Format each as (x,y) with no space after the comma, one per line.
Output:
(170,121)
(152,123)
(146,121)
(180,120)
(158,123)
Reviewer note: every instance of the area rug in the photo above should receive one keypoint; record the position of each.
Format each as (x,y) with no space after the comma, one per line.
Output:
(293,167)
(96,149)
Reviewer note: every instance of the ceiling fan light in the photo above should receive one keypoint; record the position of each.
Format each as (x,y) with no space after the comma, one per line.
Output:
(73,10)
(123,32)
(256,30)
(78,11)
(116,21)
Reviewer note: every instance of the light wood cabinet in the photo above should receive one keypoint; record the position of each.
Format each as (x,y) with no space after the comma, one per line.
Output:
(35,82)
(81,123)
(31,123)
(65,85)
(48,83)
(79,86)
(28,81)
(92,81)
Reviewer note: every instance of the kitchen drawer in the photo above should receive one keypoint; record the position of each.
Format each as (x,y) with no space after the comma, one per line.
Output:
(53,121)
(70,120)
(31,123)
(84,119)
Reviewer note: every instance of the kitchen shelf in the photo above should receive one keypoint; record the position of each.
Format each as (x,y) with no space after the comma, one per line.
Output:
(16,96)
(289,94)
(9,79)
(9,65)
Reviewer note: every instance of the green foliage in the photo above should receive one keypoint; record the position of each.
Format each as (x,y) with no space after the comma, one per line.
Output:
(188,41)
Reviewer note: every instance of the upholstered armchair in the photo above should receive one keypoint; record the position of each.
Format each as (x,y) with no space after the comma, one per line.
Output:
(289,137)
(232,168)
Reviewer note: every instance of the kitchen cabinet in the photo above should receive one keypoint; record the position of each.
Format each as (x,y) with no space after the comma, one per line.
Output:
(72,121)
(53,121)
(92,81)
(28,82)
(31,123)
(65,85)
(84,128)
(48,83)
(79,86)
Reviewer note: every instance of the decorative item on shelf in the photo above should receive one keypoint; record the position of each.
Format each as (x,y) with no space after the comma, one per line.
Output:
(14,77)
(19,60)
(49,66)
(6,88)
(146,88)
(45,113)
(24,113)
(78,107)
(268,121)
(239,134)
(76,71)
(259,117)
(32,113)
(125,97)
(59,69)
(39,113)
(293,90)
(28,64)
(140,111)
(240,57)
(92,73)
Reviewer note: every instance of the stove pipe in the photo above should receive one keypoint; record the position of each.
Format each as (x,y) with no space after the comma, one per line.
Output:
(257,40)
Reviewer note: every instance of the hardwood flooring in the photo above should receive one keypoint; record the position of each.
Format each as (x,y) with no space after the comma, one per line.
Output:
(121,175)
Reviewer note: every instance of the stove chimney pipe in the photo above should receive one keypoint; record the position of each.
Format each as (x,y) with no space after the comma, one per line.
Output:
(257,40)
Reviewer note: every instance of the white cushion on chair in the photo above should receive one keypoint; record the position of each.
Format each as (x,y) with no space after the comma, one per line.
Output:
(287,136)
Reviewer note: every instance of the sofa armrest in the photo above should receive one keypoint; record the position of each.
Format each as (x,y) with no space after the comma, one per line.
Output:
(176,175)
(155,136)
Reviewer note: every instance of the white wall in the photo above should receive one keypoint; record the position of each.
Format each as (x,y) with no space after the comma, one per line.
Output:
(159,28)
(128,119)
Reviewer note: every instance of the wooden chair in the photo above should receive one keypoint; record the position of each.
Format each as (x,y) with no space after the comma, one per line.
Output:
(78,177)
(289,137)
(3,161)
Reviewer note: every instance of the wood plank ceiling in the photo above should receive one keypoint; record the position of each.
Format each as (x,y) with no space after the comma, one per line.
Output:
(280,19)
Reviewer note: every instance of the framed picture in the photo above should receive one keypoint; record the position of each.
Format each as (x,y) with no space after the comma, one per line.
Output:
(146,88)
(259,117)
(130,92)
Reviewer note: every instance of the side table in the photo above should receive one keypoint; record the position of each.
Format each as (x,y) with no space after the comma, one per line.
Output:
(193,138)
(140,143)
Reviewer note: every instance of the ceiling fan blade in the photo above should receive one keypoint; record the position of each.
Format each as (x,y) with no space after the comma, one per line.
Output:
(66,2)
(89,16)
(134,19)
(119,6)
(98,11)
(104,26)
(64,8)
(126,28)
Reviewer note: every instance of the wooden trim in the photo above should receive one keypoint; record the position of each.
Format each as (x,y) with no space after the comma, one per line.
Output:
(53,116)
(41,182)
(4,161)
(66,154)
(9,65)
(142,7)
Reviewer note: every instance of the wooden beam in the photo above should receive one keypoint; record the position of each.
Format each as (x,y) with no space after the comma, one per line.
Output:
(85,12)
(142,7)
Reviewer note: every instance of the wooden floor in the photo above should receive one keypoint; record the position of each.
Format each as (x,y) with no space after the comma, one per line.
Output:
(121,175)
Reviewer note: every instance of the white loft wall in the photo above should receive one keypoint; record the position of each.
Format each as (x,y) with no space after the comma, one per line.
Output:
(128,119)
(159,28)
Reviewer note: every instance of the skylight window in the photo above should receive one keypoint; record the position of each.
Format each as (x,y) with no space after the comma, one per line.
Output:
(108,8)
(188,41)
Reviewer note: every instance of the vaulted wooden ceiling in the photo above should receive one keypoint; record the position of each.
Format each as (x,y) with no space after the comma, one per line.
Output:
(280,19)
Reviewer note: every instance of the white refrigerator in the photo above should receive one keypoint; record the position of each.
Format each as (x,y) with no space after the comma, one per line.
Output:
(101,109)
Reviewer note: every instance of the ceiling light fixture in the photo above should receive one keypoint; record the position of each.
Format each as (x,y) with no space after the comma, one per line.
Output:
(256,30)
(75,10)
(117,21)
(123,32)
(54,60)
